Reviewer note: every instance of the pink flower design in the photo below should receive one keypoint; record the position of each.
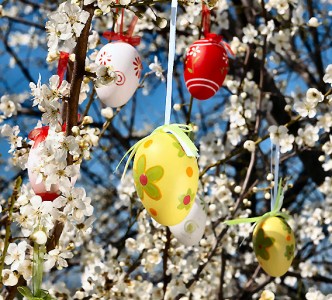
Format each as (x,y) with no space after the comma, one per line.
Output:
(138,66)
(104,58)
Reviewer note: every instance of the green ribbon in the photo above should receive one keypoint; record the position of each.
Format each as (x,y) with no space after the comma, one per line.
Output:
(275,212)
(178,130)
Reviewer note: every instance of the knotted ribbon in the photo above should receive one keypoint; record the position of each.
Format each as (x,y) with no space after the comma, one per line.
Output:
(124,37)
(178,130)
(213,37)
(275,212)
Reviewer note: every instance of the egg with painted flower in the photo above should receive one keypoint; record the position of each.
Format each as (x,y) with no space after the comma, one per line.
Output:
(166,179)
(274,245)
(127,65)
(205,67)
(190,231)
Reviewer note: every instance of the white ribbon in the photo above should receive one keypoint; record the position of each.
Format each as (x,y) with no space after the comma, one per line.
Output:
(276,177)
(171,54)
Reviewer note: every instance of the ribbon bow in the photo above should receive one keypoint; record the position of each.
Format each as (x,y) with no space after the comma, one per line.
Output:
(113,36)
(275,212)
(178,130)
(125,37)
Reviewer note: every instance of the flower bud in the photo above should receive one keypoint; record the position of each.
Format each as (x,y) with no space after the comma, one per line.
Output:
(39,237)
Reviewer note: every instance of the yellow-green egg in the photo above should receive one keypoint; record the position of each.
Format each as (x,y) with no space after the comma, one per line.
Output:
(274,245)
(166,179)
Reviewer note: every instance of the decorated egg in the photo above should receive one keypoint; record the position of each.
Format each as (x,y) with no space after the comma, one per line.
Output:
(274,245)
(166,179)
(38,136)
(205,67)
(190,231)
(127,65)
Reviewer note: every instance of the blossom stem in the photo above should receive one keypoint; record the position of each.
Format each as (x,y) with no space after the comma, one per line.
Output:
(38,268)
(11,203)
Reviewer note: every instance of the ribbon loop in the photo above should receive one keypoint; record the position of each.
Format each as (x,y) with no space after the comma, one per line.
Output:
(178,130)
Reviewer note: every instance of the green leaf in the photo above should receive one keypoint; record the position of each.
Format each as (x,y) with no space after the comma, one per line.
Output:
(141,165)
(155,173)
(152,191)
(26,292)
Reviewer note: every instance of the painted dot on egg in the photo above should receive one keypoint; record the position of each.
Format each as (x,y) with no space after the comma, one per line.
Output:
(189,171)
(143,179)
(186,200)
(148,143)
(153,212)
(288,238)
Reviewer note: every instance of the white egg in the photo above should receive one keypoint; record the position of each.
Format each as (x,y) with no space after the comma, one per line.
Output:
(190,231)
(127,65)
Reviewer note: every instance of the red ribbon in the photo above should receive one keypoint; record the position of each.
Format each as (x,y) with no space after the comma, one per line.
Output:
(213,37)
(62,65)
(206,19)
(124,37)
(113,36)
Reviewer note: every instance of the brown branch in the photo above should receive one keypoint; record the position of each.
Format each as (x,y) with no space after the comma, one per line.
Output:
(72,106)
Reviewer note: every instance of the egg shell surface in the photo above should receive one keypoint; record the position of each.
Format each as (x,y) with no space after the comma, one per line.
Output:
(274,245)
(33,164)
(190,231)
(127,65)
(166,179)
(205,68)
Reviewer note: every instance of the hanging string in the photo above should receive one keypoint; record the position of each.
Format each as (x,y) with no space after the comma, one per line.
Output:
(276,175)
(205,19)
(171,55)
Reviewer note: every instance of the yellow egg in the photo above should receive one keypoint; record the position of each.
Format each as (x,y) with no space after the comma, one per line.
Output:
(274,245)
(166,179)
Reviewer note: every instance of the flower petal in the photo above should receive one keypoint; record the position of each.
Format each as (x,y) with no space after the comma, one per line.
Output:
(152,191)
(155,173)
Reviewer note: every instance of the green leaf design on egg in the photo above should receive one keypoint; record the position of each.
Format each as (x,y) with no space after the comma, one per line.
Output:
(289,253)
(261,243)
(145,179)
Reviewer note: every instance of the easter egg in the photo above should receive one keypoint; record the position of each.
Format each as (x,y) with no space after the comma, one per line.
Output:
(127,65)
(35,164)
(274,245)
(205,68)
(190,231)
(166,179)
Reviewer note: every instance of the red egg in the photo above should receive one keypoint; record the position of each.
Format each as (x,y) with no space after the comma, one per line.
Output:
(205,67)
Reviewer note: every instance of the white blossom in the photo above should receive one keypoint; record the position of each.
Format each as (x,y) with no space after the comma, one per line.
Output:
(328,74)
(157,69)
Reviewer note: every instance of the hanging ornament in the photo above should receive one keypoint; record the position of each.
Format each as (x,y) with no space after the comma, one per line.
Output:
(190,231)
(166,173)
(273,238)
(206,62)
(165,165)
(38,136)
(274,245)
(126,63)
